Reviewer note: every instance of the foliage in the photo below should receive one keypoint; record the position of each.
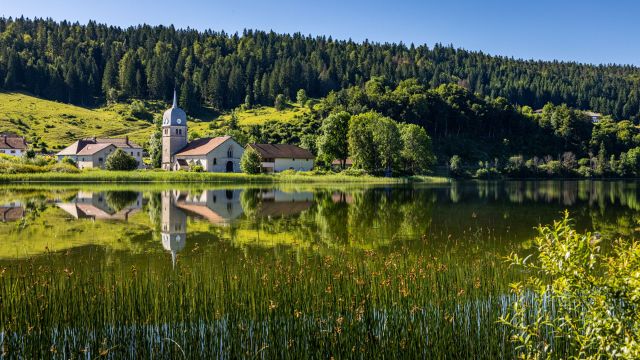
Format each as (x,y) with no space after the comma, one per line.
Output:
(75,63)
(120,161)
(251,162)
(333,139)
(455,166)
(417,155)
(196,168)
(581,299)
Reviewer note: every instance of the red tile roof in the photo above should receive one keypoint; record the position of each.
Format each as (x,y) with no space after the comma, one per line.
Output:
(282,151)
(12,141)
(202,146)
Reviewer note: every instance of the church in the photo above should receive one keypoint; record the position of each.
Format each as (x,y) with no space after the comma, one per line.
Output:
(219,154)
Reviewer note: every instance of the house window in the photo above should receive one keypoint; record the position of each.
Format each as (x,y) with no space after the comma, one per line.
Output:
(230,152)
(99,159)
(138,153)
(13,151)
(215,161)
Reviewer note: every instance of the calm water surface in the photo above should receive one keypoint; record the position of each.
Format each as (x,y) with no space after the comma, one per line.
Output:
(167,226)
(286,271)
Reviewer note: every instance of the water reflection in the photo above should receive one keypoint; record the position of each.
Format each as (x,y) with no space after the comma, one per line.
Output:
(486,216)
(112,205)
(12,211)
(222,208)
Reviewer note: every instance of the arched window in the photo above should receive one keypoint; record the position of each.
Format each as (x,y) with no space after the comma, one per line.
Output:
(215,161)
(230,152)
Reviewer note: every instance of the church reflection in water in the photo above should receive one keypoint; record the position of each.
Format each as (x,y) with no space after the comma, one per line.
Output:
(222,208)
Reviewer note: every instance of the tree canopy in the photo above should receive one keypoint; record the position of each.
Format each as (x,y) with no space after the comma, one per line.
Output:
(85,64)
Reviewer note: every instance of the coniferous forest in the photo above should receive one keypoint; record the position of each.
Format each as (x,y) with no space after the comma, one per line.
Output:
(477,109)
(88,64)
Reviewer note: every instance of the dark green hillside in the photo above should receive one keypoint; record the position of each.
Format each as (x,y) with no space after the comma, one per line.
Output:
(88,64)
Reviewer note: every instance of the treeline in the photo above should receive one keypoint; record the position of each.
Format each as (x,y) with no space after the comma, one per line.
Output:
(93,63)
(481,129)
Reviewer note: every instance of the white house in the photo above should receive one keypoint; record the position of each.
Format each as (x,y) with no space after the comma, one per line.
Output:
(93,152)
(280,157)
(219,154)
(12,144)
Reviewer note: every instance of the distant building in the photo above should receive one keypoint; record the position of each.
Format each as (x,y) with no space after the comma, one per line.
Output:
(219,154)
(337,164)
(93,152)
(594,116)
(12,144)
(280,157)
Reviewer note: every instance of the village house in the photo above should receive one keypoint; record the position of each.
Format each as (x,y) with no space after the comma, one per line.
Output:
(93,152)
(280,157)
(12,144)
(219,154)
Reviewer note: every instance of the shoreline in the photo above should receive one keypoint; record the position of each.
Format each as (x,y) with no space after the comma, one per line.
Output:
(144,176)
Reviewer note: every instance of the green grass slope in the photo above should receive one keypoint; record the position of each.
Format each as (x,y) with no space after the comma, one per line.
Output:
(59,125)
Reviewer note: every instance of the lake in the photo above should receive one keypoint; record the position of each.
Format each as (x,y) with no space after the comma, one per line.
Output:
(290,271)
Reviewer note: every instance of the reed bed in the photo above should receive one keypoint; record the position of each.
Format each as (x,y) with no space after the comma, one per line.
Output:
(364,305)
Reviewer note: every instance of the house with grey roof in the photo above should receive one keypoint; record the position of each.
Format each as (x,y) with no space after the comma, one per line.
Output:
(93,152)
(280,157)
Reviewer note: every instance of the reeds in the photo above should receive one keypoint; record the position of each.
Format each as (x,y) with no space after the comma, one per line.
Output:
(364,305)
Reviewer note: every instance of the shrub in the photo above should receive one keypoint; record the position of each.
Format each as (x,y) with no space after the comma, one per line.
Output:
(288,172)
(68,160)
(196,168)
(576,299)
(251,162)
(455,166)
(120,160)
(63,168)
(353,172)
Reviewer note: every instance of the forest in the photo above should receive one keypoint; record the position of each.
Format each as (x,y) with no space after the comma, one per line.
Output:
(96,63)
(476,114)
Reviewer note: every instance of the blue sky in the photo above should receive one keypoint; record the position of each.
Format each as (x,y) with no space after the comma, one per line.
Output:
(585,31)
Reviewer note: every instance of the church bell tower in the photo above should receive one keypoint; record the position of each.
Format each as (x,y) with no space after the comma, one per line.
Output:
(174,133)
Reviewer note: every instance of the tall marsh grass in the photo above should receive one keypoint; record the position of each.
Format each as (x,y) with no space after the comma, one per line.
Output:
(371,305)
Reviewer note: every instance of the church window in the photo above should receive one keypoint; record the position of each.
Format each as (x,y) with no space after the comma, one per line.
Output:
(215,161)
(230,152)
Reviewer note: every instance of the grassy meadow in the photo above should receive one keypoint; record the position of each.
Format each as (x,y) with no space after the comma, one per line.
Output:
(58,124)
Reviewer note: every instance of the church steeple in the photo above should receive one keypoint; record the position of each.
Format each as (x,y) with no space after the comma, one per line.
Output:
(175,99)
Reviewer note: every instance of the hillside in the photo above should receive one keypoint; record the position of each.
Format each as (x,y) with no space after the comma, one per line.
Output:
(90,64)
(58,124)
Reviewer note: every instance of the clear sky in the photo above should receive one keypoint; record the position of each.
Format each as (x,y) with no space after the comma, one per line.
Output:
(599,32)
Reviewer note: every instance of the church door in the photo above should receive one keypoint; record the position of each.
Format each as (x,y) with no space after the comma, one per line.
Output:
(229,166)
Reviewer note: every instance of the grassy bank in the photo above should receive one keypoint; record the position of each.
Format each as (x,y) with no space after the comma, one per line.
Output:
(187,177)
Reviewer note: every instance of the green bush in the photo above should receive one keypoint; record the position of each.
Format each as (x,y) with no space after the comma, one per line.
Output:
(251,162)
(353,172)
(63,168)
(288,172)
(121,161)
(196,168)
(577,301)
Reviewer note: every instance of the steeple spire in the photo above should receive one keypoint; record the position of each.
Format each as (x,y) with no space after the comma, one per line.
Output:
(175,99)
